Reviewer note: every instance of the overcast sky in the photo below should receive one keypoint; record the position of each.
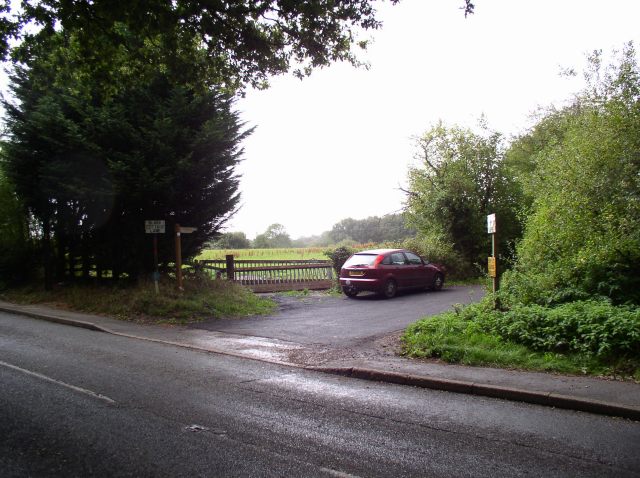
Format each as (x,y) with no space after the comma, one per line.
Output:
(338,144)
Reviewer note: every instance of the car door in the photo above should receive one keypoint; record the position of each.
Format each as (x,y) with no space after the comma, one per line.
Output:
(416,270)
(400,269)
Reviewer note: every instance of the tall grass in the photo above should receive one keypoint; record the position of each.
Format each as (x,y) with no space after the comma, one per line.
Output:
(201,299)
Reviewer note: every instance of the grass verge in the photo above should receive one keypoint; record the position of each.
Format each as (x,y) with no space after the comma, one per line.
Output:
(471,281)
(201,299)
(458,338)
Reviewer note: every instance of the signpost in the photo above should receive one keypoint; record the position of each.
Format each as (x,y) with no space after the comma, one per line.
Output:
(492,262)
(180,230)
(155,227)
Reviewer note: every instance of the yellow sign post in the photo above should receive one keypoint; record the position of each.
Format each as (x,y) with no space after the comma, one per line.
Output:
(491,266)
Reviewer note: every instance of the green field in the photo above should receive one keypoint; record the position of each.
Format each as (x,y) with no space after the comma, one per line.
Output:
(292,253)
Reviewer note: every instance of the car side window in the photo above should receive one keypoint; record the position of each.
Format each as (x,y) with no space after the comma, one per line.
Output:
(397,259)
(413,259)
(387,261)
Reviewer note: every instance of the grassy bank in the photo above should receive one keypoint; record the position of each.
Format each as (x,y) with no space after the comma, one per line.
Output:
(591,337)
(202,299)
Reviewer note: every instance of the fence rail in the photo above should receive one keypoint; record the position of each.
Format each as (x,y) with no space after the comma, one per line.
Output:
(272,275)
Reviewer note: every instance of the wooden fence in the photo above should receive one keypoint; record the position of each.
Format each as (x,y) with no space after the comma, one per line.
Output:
(272,275)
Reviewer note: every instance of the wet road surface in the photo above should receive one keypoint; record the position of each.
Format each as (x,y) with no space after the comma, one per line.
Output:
(75,402)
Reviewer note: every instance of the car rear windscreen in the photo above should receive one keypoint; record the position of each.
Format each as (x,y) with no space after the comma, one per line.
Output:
(360,260)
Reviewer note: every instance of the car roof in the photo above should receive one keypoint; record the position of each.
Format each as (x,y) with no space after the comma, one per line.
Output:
(380,251)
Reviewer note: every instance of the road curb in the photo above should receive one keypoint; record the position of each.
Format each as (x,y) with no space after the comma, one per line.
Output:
(97,328)
(54,318)
(549,399)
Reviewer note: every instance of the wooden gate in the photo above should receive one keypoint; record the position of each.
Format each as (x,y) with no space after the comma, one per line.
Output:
(272,275)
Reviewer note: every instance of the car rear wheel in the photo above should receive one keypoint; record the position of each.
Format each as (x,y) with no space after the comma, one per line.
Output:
(349,291)
(390,289)
(438,282)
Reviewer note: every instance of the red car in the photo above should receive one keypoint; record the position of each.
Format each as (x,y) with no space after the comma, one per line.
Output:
(386,270)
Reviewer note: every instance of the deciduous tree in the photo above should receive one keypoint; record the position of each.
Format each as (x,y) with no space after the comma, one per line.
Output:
(275,236)
(582,237)
(233,240)
(241,42)
(461,178)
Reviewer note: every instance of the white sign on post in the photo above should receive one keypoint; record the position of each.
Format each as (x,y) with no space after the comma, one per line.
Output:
(491,224)
(154,227)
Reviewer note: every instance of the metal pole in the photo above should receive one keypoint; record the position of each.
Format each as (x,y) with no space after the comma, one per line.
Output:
(496,276)
(494,253)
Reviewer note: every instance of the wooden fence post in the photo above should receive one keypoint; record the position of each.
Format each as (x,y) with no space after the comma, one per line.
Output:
(230,267)
(178,257)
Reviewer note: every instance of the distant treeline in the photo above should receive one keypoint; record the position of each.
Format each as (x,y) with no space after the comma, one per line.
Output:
(374,229)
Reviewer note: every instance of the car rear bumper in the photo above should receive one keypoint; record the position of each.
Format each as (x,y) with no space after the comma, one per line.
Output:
(373,285)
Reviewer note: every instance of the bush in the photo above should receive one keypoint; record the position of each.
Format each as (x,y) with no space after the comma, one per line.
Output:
(592,327)
(17,252)
(339,256)
(542,288)
(18,264)
(452,338)
(582,336)
(440,252)
(593,272)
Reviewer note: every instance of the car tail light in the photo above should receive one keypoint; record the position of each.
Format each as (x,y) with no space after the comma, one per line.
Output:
(378,260)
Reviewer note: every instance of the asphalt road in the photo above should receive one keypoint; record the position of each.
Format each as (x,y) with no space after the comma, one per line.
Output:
(75,402)
(322,319)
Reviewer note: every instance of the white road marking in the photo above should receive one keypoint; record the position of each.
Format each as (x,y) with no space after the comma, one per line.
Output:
(339,474)
(58,382)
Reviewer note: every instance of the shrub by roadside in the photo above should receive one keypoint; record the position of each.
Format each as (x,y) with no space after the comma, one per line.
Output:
(202,298)
(592,336)
(439,251)
(339,256)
